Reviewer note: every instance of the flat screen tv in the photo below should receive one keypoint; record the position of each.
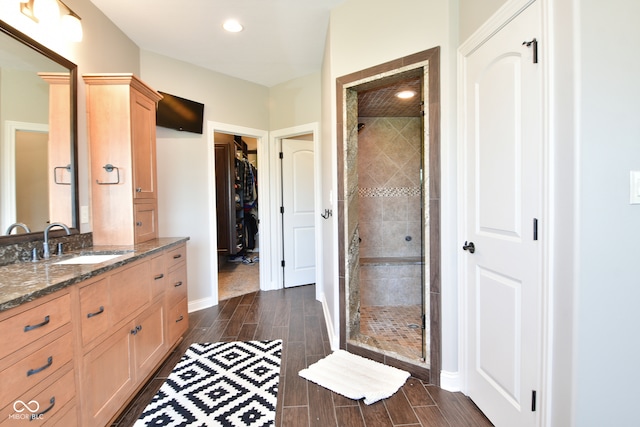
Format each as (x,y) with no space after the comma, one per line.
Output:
(178,113)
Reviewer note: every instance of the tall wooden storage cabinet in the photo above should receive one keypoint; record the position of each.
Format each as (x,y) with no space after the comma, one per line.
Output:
(121,121)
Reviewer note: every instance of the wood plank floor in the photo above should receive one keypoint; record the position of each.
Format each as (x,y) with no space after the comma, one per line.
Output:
(294,316)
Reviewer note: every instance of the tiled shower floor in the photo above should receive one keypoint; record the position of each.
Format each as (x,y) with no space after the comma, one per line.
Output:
(387,328)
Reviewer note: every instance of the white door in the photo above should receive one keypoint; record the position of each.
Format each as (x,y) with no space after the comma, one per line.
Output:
(299,212)
(503,144)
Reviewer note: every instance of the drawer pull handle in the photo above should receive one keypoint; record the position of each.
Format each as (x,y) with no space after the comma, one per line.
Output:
(180,318)
(176,256)
(42,368)
(32,327)
(158,277)
(52,401)
(178,284)
(100,311)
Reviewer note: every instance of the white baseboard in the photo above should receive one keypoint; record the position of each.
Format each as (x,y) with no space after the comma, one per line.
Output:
(334,341)
(450,381)
(200,304)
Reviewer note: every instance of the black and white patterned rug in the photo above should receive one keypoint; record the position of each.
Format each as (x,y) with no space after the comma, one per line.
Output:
(219,384)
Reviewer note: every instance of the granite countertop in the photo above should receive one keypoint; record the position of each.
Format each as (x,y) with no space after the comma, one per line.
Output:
(22,282)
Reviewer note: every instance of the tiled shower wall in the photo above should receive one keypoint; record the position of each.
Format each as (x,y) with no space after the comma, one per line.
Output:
(389,159)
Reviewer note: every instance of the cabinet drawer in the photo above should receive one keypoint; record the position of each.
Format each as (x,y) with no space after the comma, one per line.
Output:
(34,367)
(158,275)
(130,290)
(30,325)
(175,256)
(145,218)
(94,310)
(177,284)
(68,417)
(178,320)
(49,404)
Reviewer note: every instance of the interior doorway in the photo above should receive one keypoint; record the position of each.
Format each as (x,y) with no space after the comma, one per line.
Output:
(388,181)
(237,213)
(297,169)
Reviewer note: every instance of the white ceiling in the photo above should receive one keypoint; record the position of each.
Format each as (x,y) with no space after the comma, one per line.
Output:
(282,39)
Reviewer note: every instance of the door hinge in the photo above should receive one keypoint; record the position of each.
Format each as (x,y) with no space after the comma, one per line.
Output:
(281,154)
(282,263)
(281,209)
(533,43)
(533,401)
(535,228)
(424,321)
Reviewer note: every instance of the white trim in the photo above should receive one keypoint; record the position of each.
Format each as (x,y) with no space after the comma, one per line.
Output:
(334,339)
(8,168)
(499,20)
(201,304)
(276,140)
(450,381)
(264,216)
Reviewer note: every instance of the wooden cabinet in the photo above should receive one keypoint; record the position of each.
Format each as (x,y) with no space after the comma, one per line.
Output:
(176,293)
(121,122)
(112,370)
(127,328)
(59,153)
(103,337)
(36,363)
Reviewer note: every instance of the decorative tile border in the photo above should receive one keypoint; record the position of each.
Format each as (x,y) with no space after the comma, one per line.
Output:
(389,192)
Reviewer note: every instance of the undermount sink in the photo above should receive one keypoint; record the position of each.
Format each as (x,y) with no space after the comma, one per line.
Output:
(88,259)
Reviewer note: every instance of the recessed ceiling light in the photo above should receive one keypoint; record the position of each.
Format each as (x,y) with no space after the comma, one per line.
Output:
(232,26)
(406,94)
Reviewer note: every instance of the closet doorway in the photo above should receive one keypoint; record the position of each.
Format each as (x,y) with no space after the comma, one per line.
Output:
(237,214)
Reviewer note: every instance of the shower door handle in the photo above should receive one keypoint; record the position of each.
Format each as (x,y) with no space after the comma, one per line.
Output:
(469,247)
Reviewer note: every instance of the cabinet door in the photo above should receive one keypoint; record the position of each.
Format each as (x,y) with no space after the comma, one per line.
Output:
(108,378)
(130,290)
(143,135)
(149,342)
(146,222)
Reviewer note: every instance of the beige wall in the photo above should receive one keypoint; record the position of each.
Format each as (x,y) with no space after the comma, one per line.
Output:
(183,187)
(474,13)
(295,102)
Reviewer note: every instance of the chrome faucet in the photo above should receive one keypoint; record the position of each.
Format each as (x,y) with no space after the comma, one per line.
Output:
(16,225)
(46,254)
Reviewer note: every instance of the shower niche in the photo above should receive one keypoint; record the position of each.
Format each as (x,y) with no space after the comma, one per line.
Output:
(389,179)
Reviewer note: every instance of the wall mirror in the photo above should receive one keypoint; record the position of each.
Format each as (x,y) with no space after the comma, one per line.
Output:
(38,146)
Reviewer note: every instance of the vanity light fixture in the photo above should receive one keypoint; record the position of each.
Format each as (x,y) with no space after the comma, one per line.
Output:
(232,26)
(406,94)
(54,13)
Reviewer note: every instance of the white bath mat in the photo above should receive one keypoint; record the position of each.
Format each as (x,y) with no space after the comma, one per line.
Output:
(355,377)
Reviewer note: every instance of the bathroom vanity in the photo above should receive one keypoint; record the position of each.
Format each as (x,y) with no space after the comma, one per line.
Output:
(81,334)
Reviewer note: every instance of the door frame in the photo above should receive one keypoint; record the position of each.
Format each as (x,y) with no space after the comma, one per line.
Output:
(501,18)
(276,138)
(264,209)
(8,167)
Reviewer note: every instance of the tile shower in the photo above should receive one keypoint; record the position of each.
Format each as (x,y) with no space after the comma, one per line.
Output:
(390,230)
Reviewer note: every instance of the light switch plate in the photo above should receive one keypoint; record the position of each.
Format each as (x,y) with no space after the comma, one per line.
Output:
(84,214)
(634,185)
